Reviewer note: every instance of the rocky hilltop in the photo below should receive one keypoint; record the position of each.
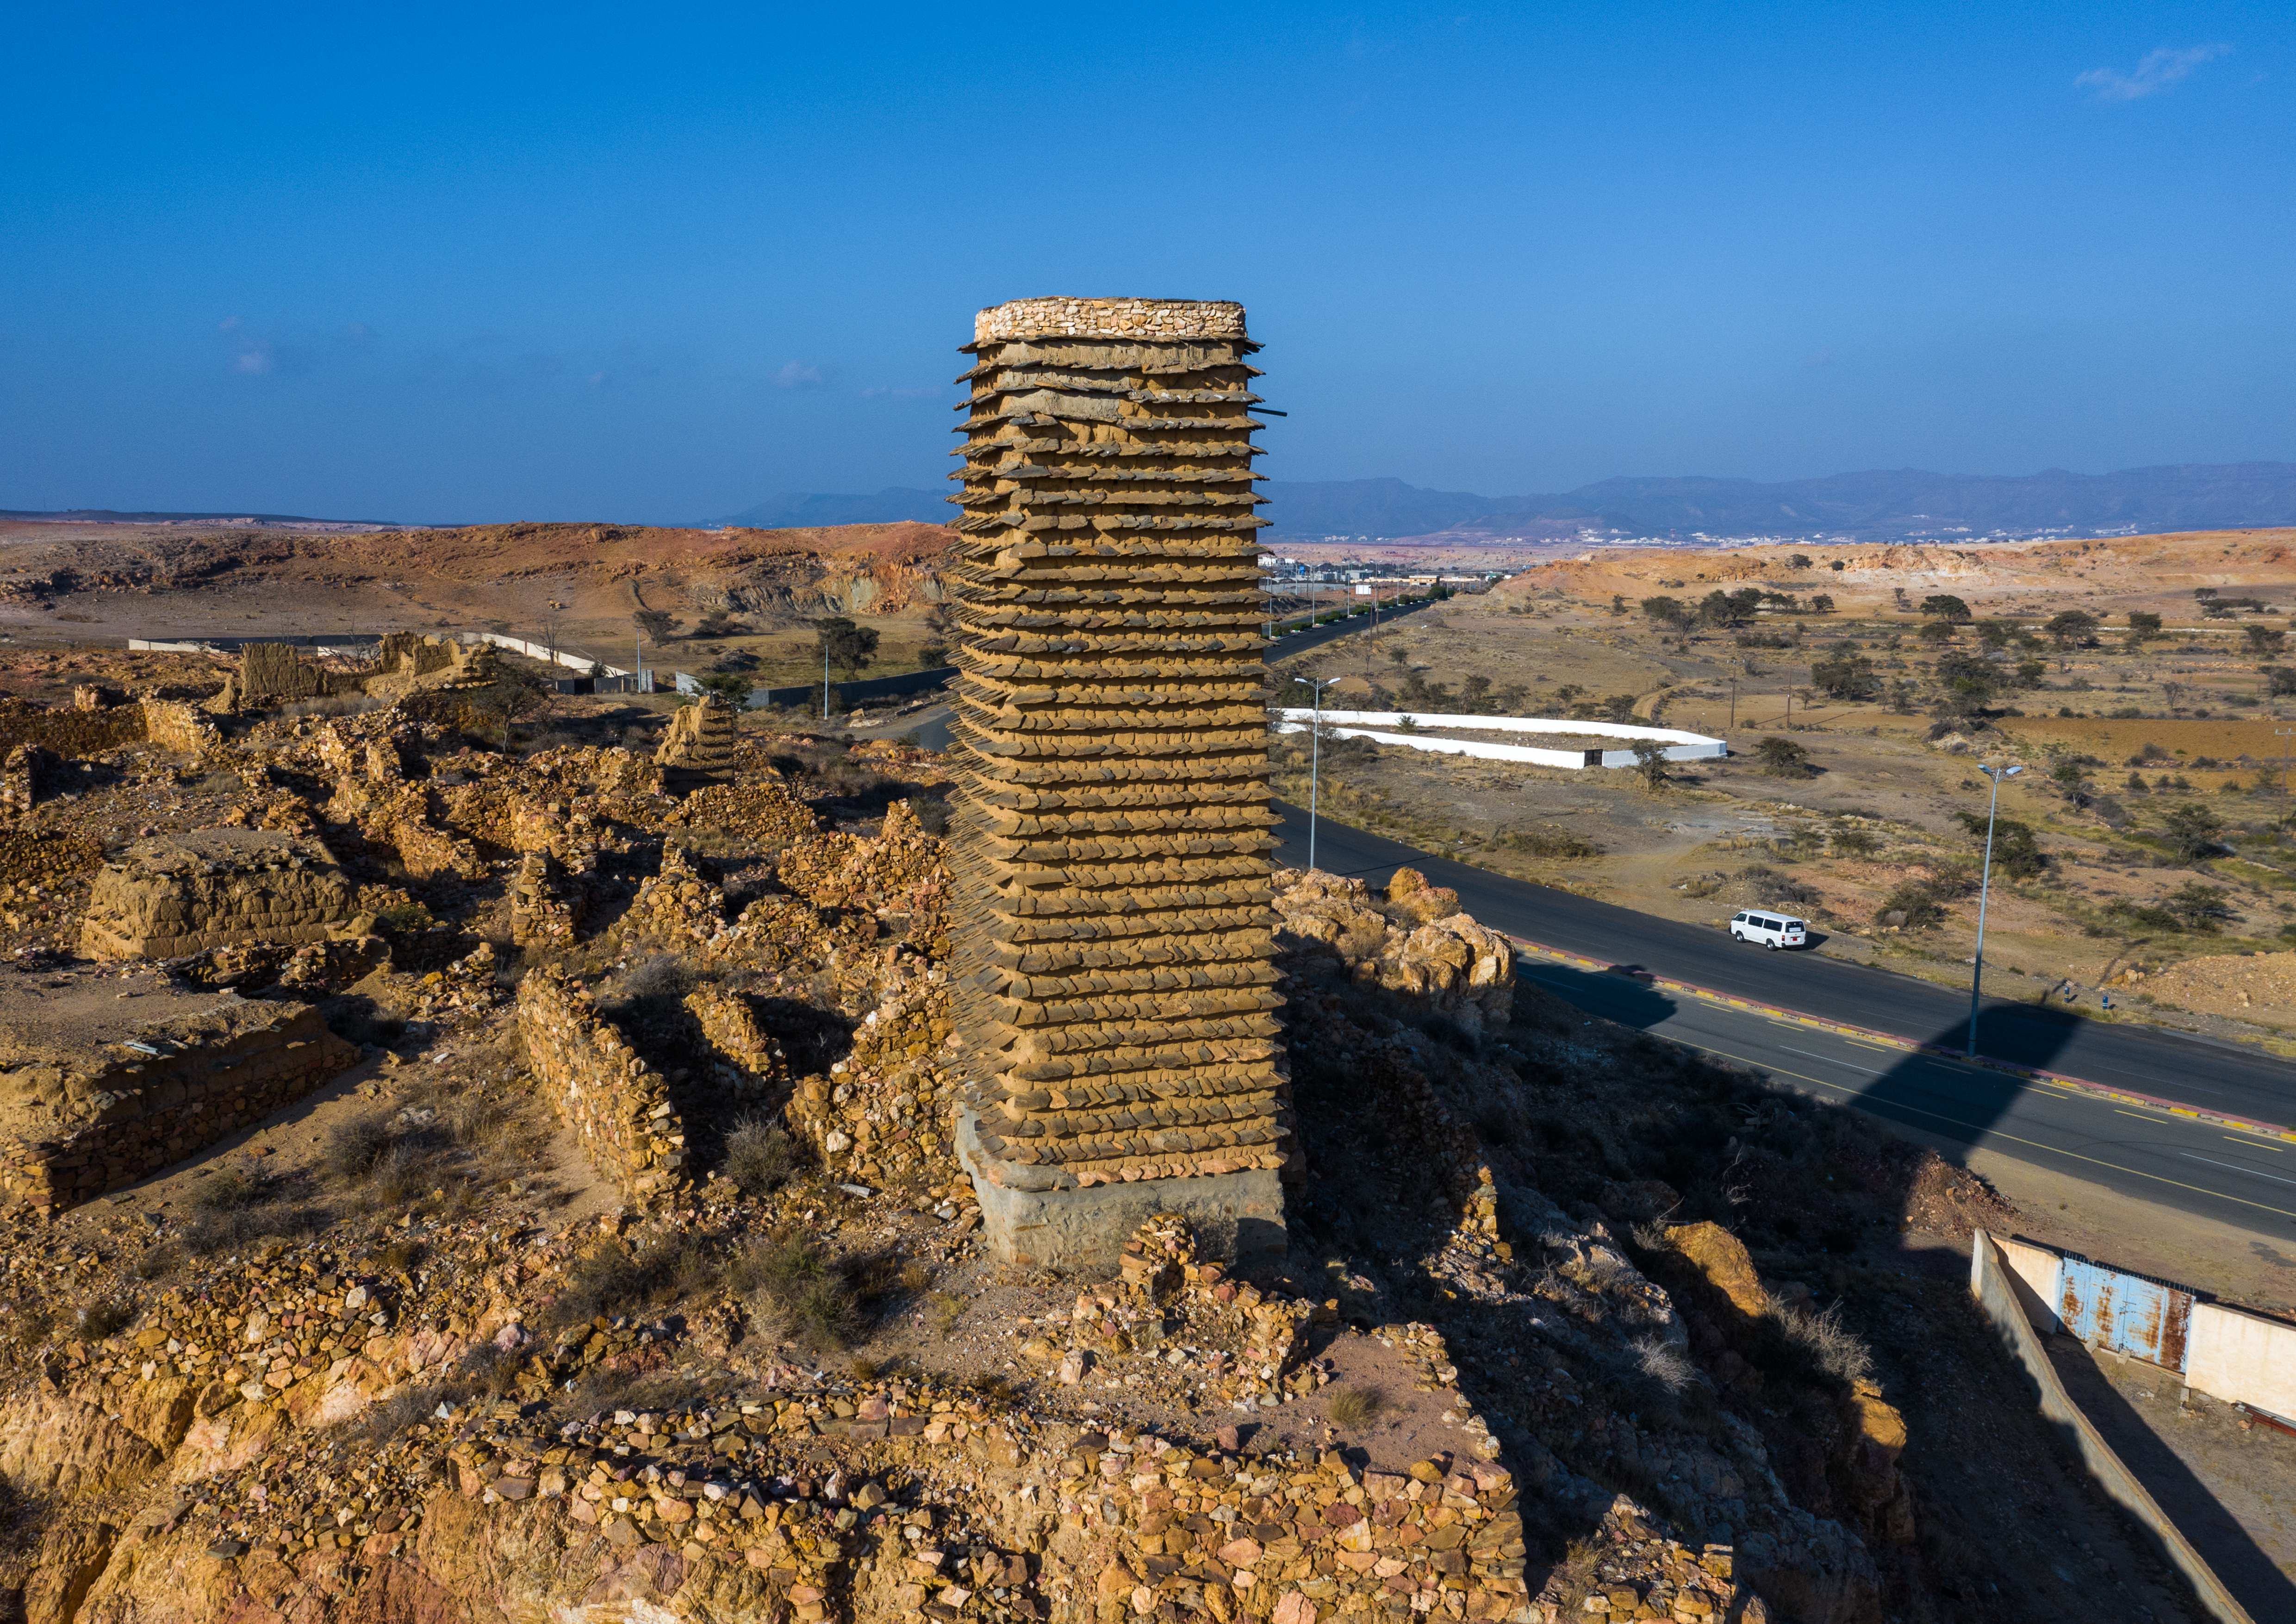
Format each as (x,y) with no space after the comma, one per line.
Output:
(556,1217)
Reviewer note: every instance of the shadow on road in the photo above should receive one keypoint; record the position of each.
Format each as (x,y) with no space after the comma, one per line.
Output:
(1953,1100)
(1600,992)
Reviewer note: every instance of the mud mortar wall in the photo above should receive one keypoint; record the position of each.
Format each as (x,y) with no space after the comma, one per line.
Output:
(617,1104)
(1117,993)
(162,1109)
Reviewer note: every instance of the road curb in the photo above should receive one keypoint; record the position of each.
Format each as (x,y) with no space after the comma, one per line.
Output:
(2078,1084)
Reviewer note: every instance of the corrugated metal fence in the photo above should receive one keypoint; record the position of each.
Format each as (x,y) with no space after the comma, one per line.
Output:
(2220,1350)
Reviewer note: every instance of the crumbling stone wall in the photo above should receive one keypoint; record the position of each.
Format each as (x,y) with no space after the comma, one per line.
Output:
(271,673)
(543,912)
(117,1114)
(178,894)
(881,1114)
(677,906)
(1118,993)
(749,1067)
(173,725)
(617,1104)
(697,748)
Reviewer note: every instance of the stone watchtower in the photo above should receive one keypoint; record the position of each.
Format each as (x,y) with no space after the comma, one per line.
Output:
(1116,1001)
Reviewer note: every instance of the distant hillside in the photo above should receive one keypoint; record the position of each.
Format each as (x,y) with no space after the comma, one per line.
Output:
(798,510)
(1883,505)
(1880,504)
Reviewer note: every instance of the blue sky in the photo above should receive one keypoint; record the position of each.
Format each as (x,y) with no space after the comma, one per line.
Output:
(489,264)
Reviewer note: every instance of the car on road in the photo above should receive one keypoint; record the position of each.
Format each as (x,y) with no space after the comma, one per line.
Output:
(1773,931)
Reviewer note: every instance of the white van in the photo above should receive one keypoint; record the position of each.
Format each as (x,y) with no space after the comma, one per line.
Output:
(1773,931)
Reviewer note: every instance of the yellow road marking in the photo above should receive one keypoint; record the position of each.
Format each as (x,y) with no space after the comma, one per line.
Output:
(2140,1115)
(2253,1145)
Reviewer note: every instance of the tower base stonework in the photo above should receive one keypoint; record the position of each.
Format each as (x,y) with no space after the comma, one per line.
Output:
(1238,1217)
(1115,979)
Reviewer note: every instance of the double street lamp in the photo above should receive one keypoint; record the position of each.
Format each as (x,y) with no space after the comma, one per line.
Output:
(1977,975)
(1315,757)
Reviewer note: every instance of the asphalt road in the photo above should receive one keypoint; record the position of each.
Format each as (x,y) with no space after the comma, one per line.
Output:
(2203,1167)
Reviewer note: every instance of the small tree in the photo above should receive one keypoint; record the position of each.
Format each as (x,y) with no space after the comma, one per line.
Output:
(1477,690)
(2015,852)
(2266,643)
(1668,611)
(2142,625)
(2193,829)
(839,642)
(658,623)
(1845,676)
(1650,762)
(1800,561)
(2072,628)
(731,686)
(1837,566)
(1782,757)
(2279,680)
(1822,602)
(1946,605)
(2198,908)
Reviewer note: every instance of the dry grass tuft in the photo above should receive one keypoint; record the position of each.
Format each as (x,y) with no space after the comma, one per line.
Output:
(1352,1407)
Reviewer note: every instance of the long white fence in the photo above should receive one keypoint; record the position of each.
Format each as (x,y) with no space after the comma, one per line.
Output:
(1379,726)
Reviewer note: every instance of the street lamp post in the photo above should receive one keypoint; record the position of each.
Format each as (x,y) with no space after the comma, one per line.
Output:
(1315,757)
(1977,972)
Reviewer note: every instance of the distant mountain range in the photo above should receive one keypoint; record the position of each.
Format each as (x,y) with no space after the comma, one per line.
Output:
(1880,504)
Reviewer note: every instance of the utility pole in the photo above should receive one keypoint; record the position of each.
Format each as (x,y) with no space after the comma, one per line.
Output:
(1734,702)
(1977,971)
(1315,759)
(637,671)
(2284,732)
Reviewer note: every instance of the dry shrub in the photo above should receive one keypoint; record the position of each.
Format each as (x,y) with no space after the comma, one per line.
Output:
(1351,1406)
(791,1286)
(759,1157)
(1664,1364)
(1823,1342)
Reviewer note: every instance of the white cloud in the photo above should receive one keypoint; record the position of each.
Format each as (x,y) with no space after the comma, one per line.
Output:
(886,391)
(255,355)
(2161,69)
(798,375)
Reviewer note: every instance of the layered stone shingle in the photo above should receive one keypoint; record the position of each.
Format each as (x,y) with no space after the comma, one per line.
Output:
(1117,992)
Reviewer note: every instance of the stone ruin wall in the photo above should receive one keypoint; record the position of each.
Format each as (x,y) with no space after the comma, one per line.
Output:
(1117,1000)
(618,1105)
(164,899)
(137,1117)
(76,731)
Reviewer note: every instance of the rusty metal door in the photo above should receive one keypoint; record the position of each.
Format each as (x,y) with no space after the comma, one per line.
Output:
(2128,1313)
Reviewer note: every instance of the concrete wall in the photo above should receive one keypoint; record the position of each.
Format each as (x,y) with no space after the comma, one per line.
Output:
(2036,1276)
(1681,746)
(1990,1283)
(2241,1360)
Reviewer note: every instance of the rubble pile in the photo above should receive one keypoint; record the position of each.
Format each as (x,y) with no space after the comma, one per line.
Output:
(1411,939)
(761,809)
(677,907)
(178,894)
